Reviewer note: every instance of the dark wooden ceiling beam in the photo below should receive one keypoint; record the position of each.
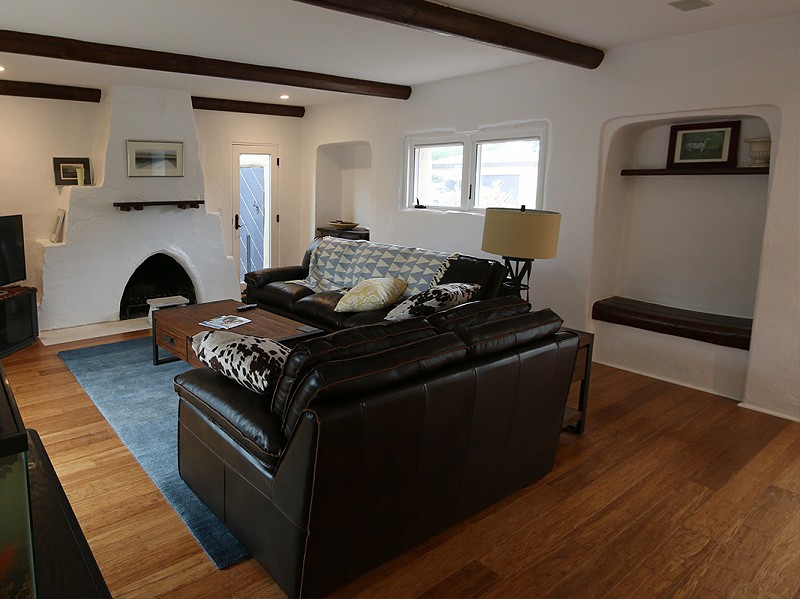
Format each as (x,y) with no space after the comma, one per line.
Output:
(33,44)
(201,103)
(28,89)
(429,16)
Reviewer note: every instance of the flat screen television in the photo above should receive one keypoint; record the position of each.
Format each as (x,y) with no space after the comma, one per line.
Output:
(12,250)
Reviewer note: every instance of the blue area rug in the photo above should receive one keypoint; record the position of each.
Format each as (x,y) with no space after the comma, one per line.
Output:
(137,400)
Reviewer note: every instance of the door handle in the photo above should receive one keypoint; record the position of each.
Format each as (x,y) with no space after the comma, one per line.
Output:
(236,224)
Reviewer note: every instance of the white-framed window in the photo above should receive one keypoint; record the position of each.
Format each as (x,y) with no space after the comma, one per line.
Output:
(478,169)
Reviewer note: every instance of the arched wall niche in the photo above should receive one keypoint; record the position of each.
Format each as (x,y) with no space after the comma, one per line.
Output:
(344,183)
(691,242)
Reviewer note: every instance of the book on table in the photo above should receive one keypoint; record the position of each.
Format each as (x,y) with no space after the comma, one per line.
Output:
(225,322)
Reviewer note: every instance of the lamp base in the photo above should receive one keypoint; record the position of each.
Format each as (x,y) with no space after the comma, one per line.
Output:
(518,276)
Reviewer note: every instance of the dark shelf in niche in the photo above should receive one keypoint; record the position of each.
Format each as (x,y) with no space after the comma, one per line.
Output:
(182,204)
(643,172)
(719,329)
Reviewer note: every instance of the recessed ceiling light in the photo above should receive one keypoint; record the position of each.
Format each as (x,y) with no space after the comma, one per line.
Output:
(284,97)
(687,5)
(2,69)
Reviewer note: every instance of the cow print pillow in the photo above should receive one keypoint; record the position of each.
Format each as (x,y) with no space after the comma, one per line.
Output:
(434,299)
(253,362)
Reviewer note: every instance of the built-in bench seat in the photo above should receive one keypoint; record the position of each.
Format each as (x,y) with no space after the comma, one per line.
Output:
(719,329)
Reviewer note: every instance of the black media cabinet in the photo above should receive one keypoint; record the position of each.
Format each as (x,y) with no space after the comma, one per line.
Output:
(63,563)
(19,321)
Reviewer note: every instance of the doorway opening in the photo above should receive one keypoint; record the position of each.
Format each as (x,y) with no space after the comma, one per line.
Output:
(254,207)
(254,175)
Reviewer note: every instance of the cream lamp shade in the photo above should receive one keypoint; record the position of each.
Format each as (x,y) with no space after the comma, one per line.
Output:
(526,234)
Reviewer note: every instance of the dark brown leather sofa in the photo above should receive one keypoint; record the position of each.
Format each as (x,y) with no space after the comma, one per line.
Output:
(377,437)
(271,289)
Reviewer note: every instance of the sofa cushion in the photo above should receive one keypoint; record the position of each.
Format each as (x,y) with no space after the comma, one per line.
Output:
(498,335)
(253,362)
(358,319)
(381,369)
(237,411)
(433,300)
(320,308)
(371,294)
(475,313)
(347,343)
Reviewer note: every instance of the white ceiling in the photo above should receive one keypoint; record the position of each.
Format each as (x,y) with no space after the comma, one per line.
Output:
(287,34)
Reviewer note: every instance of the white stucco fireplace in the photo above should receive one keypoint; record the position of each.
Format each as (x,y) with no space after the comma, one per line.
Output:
(84,276)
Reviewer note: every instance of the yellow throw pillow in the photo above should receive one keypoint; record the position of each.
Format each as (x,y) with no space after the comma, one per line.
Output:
(371,294)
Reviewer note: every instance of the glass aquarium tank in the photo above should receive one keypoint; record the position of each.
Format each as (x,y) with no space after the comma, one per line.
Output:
(17,576)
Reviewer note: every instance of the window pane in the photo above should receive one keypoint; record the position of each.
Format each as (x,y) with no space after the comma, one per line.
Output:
(437,175)
(508,173)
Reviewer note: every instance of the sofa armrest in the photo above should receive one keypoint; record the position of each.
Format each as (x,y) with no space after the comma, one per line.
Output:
(259,278)
(489,274)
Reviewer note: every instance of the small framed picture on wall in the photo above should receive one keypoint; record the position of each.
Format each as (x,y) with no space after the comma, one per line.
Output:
(57,234)
(72,171)
(703,145)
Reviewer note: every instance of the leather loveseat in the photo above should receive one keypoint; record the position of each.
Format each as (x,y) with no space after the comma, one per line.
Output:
(377,437)
(310,291)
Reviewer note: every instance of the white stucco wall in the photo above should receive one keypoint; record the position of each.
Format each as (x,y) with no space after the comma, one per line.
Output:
(706,255)
(34,132)
(216,133)
(721,72)
(343,183)
(690,242)
(84,276)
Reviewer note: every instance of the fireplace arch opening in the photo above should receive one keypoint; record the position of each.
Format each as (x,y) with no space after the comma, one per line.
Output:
(158,276)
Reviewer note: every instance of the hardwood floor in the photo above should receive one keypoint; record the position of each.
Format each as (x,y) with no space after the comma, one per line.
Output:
(670,493)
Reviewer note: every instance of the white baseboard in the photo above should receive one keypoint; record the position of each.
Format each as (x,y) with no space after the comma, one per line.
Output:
(770,412)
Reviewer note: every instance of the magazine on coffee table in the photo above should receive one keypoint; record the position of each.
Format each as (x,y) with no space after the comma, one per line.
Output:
(225,322)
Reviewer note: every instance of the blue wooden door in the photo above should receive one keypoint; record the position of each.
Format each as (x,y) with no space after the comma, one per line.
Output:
(253,188)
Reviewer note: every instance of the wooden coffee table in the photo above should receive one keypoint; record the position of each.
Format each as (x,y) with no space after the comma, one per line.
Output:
(173,328)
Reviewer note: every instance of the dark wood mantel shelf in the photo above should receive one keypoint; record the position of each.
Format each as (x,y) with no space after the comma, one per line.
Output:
(182,204)
(641,172)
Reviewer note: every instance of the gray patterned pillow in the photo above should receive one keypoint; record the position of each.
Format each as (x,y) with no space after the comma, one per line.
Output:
(434,299)
(253,362)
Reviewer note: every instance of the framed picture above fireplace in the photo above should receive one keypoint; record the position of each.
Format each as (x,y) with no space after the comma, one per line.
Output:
(155,158)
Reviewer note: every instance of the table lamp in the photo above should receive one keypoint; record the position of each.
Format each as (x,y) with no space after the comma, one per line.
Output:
(520,236)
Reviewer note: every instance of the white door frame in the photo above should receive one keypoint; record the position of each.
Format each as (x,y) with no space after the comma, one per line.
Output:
(272,230)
